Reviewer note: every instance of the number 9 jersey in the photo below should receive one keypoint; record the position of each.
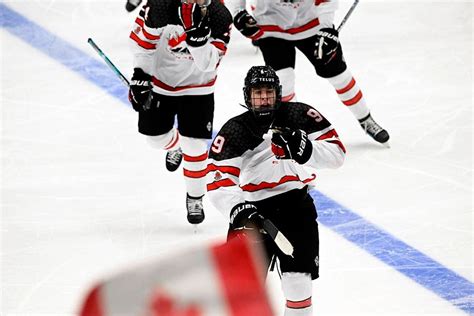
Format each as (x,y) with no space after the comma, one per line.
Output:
(243,167)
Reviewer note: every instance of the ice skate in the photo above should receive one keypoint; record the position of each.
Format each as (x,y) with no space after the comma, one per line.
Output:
(195,209)
(132,5)
(374,130)
(173,159)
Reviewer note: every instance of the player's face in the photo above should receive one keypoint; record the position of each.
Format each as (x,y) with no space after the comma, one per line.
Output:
(263,98)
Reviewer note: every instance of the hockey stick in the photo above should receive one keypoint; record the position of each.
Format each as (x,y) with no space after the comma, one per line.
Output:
(118,73)
(280,240)
(108,62)
(348,14)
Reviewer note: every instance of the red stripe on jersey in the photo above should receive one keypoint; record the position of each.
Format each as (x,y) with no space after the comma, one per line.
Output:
(299,29)
(147,35)
(269,185)
(226,169)
(194,174)
(299,304)
(337,142)
(287,98)
(142,43)
(329,134)
(187,15)
(354,100)
(219,45)
(219,184)
(202,157)
(313,176)
(349,86)
(318,2)
(164,86)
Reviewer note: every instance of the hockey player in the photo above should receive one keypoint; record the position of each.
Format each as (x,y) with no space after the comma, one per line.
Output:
(281,26)
(178,46)
(253,175)
(132,5)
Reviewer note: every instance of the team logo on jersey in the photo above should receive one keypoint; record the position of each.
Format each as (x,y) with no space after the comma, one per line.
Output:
(217,176)
(177,45)
(209,126)
(176,39)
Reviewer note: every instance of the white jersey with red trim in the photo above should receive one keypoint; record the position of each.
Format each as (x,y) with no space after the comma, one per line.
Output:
(242,166)
(160,48)
(288,19)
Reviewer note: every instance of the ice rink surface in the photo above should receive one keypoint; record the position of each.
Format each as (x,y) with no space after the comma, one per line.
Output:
(83,194)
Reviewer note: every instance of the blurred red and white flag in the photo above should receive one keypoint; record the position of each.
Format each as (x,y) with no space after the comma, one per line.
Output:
(217,280)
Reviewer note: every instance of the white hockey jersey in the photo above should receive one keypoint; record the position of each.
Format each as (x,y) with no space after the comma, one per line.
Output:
(288,19)
(242,166)
(160,49)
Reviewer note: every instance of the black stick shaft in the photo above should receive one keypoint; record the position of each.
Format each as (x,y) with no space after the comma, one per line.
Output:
(108,62)
(348,14)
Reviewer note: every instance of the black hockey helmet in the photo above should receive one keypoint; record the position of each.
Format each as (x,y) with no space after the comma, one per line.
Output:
(260,76)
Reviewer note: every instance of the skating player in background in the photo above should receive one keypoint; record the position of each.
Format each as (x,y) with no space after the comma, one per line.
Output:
(254,175)
(282,26)
(177,48)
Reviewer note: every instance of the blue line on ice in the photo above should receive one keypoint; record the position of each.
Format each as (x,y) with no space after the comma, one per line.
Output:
(63,52)
(390,250)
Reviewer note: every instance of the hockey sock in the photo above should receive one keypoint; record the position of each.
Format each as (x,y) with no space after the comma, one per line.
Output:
(350,94)
(194,165)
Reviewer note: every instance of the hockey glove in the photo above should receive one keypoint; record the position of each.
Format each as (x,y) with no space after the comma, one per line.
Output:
(291,144)
(140,94)
(196,24)
(245,216)
(246,24)
(245,220)
(327,43)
